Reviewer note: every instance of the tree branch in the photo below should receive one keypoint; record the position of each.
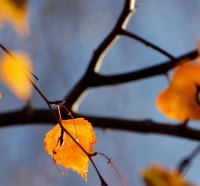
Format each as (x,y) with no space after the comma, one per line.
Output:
(38,117)
(91,78)
(147,43)
(76,93)
(102,80)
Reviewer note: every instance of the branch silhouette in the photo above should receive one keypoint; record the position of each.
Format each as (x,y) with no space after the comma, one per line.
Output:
(40,117)
(73,98)
(147,43)
(162,69)
(92,78)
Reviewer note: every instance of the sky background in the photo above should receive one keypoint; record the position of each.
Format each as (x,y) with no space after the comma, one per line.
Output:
(63,36)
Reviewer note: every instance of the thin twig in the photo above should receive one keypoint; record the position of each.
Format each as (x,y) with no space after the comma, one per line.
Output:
(147,43)
(14,58)
(123,183)
(186,162)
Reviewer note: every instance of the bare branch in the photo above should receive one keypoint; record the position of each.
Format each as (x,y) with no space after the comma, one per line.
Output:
(38,117)
(187,161)
(102,80)
(98,56)
(111,38)
(147,43)
(92,78)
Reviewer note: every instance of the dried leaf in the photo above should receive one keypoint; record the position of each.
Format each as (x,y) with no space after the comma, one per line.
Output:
(14,74)
(69,154)
(180,100)
(157,175)
(14,12)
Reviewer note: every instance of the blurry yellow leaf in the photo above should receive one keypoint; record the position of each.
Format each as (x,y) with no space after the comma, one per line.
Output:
(1,95)
(14,74)
(156,175)
(69,154)
(15,12)
(180,100)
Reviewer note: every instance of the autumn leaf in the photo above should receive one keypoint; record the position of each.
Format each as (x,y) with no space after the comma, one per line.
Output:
(14,12)
(14,73)
(157,175)
(180,100)
(69,154)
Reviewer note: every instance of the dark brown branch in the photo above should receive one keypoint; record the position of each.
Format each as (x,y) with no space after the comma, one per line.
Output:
(187,161)
(102,80)
(95,80)
(147,43)
(38,117)
(97,58)
(111,38)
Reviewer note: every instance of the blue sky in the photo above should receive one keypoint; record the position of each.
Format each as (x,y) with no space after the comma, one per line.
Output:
(63,35)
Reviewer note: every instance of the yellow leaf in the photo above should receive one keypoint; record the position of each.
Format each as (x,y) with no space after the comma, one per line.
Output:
(157,175)
(14,73)
(14,12)
(179,100)
(69,154)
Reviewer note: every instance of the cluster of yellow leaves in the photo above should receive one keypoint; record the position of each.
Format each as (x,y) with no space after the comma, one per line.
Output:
(180,100)
(14,12)
(15,74)
(157,175)
(69,153)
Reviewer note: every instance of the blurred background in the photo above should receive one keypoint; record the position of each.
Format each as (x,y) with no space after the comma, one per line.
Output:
(63,36)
